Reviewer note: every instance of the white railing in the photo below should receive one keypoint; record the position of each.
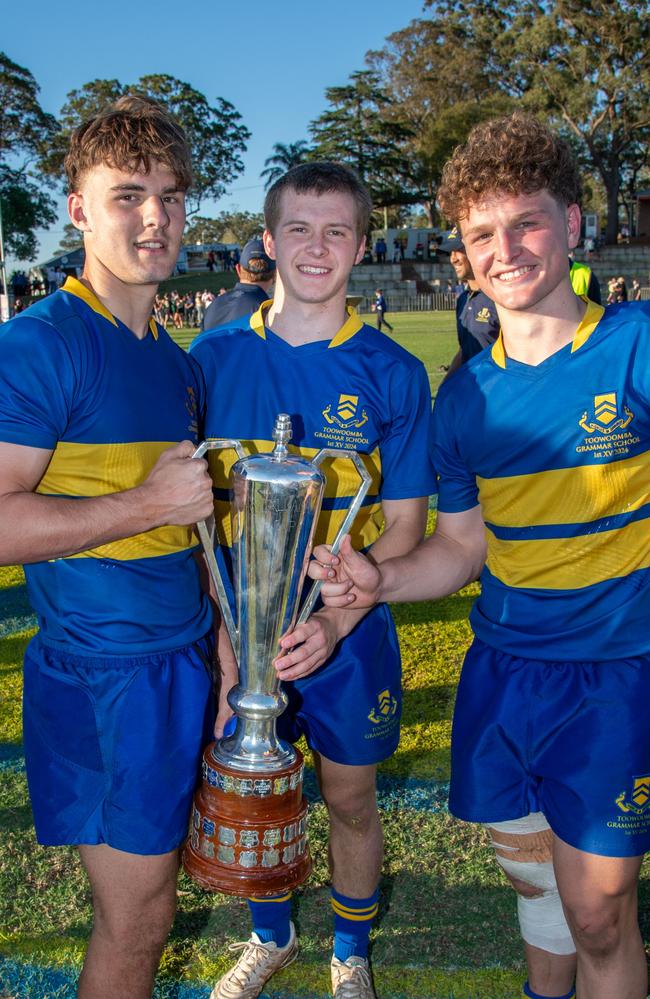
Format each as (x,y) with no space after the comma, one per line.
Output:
(438,302)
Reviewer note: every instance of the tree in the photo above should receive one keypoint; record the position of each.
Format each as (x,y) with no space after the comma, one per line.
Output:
(228,227)
(24,128)
(584,66)
(72,238)
(25,208)
(356,130)
(282,159)
(215,133)
(439,91)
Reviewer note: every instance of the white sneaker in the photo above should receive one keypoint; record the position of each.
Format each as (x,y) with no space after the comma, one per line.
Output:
(351,979)
(258,962)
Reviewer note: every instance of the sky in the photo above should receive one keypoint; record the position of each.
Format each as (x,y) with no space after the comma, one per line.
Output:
(273,61)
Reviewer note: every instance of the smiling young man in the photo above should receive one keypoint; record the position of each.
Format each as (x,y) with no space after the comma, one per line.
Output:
(98,500)
(346,386)
(541,450)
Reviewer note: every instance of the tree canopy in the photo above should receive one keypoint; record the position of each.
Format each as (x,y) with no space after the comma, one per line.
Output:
(283,157)
(24,129)
(228,227)
(216,136)
(586,67)
(356,129)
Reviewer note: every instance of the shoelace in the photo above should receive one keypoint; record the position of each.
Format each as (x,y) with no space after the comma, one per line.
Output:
(248,965)
(350,987)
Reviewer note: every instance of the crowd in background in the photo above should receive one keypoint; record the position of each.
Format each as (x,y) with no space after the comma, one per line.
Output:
(617,291)
(177,310)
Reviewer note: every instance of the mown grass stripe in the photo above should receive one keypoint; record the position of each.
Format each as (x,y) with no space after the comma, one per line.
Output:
(392,792)
(32,981)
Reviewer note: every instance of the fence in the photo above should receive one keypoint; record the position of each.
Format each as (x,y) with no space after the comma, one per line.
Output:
(445,301)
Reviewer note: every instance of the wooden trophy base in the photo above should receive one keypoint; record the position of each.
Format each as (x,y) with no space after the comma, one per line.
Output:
(248,830)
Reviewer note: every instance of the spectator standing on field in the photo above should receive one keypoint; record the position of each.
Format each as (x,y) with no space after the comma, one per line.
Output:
(256,273)
(477,323)
(379,307)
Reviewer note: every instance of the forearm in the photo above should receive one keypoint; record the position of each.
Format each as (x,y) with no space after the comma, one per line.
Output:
(438,567)
(35,528)
(400,536)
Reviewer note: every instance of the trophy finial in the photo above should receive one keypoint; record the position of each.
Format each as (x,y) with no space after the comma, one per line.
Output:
(282,433)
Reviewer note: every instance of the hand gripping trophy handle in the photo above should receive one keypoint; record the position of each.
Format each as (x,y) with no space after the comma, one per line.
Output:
(248,820)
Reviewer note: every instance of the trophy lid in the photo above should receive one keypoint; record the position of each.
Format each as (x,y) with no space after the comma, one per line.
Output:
(279,465)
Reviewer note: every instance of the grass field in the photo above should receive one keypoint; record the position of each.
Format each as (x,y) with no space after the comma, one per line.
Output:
(447,928)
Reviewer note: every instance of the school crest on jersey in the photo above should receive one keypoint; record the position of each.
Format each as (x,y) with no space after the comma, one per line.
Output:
(385,709)
(636,799)
(345,414)
(483,315)
(605,416)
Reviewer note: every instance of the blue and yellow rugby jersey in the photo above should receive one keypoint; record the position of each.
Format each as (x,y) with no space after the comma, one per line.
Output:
(75,380)
(359,391)
(557,456)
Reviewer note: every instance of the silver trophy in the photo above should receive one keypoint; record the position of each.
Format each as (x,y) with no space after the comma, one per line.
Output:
(275,504)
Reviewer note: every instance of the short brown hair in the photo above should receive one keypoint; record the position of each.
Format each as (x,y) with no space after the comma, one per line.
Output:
(319,177)
(128,135)
(257,270)
(516,154)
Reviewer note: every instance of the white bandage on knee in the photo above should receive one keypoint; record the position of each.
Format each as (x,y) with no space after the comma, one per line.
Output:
(524,849)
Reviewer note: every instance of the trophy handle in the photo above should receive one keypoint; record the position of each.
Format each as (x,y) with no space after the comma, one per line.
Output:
(332,452)
(218,444)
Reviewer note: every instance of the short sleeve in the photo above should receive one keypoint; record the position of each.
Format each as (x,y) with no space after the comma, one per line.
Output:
(457,488)
(37,383)
(407,449)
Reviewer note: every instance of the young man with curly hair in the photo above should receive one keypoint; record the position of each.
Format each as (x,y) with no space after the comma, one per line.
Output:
(541,451)
(99,418)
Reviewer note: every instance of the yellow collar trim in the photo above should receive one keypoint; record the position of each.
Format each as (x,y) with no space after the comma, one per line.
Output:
(257,319)
(74,287)
(499,351)
(593,314)
(351,325)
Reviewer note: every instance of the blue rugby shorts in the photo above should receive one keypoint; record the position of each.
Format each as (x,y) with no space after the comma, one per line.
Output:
(113,746)
(350,709)
(569,739)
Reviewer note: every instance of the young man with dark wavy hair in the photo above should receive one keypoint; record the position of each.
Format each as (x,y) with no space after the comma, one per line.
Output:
(541,449)
(99,414)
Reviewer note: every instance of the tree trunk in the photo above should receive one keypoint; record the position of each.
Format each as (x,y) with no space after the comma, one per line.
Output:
(612,185)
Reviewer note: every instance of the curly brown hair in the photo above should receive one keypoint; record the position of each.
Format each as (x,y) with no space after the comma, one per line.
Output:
(516,154)
(127,135)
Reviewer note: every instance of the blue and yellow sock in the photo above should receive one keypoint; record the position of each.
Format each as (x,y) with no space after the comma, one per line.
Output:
(353,918)
(529,994)
(272,918)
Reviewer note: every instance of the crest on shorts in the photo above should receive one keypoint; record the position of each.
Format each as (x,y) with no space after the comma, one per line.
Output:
(346,414)
(638,799)
(386,707)
(605,417)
